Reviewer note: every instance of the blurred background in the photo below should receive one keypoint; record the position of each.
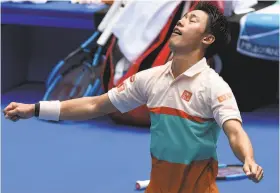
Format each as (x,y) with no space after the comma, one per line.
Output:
(69,49)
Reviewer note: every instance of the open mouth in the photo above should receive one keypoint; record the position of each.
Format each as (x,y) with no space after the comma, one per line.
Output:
(177,31)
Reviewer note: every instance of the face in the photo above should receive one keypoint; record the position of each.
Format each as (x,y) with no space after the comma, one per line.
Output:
(189,33)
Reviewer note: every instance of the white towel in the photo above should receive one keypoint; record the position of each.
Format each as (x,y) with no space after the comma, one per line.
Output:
(140,24)
(238,6)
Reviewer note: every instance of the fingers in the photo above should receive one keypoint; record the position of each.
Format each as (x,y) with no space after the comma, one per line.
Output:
(10,107)
(15,118)
(12,113)
(254,172)
(253,168)
(259,174)
(247,170)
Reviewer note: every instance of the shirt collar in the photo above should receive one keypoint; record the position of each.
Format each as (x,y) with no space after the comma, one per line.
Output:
(196,68)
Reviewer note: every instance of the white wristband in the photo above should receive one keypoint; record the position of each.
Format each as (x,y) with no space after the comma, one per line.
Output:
(49,110)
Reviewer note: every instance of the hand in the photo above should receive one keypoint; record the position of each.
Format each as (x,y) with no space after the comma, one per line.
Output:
(253,170)
(15,111)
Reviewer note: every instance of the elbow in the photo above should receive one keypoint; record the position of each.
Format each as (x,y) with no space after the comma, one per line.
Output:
(101,105)
(96,108)
(233,130)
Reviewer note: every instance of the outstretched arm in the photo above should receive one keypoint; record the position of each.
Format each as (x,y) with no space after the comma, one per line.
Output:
(75,109)
(242,148)
(125,97)
(86,108)
(227,115)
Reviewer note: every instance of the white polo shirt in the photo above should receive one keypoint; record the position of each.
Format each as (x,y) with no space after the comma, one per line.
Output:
(186,113)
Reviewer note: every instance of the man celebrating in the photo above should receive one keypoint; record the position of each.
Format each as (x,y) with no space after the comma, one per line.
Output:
(189,104)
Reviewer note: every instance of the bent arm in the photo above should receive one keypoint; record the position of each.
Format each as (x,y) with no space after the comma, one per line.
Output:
(86,108)
(239,140)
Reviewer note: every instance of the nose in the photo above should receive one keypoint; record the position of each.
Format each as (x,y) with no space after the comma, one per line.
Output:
(179,23)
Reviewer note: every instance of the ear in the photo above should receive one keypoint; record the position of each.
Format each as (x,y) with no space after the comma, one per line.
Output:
(208,39)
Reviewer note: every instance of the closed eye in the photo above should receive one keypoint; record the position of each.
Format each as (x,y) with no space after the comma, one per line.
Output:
(192,17)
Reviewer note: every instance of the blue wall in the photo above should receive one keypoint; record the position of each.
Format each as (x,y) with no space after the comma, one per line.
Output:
(29,53)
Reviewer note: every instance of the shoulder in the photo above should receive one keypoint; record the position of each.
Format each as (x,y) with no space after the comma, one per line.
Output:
(214,86)
(144,80)
(214,82)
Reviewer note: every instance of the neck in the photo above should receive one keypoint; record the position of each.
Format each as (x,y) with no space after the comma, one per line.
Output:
(182,62)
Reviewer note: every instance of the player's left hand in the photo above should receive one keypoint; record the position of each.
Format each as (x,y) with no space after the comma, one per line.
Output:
(253,170)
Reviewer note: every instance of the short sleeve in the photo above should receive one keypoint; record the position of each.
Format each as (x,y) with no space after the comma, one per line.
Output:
(223,103)
(130,94)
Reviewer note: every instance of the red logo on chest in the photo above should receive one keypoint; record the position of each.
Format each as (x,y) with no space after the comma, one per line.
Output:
(132,78)
(186,96)
(121,87)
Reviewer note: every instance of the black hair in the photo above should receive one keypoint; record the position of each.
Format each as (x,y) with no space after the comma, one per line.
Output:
(217,25)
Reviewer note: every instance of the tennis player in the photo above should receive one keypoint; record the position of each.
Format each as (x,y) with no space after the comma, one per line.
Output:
(189,105)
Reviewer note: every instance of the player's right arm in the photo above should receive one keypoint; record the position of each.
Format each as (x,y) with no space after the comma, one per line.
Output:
(75,109)
(86,108)
(125,97)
